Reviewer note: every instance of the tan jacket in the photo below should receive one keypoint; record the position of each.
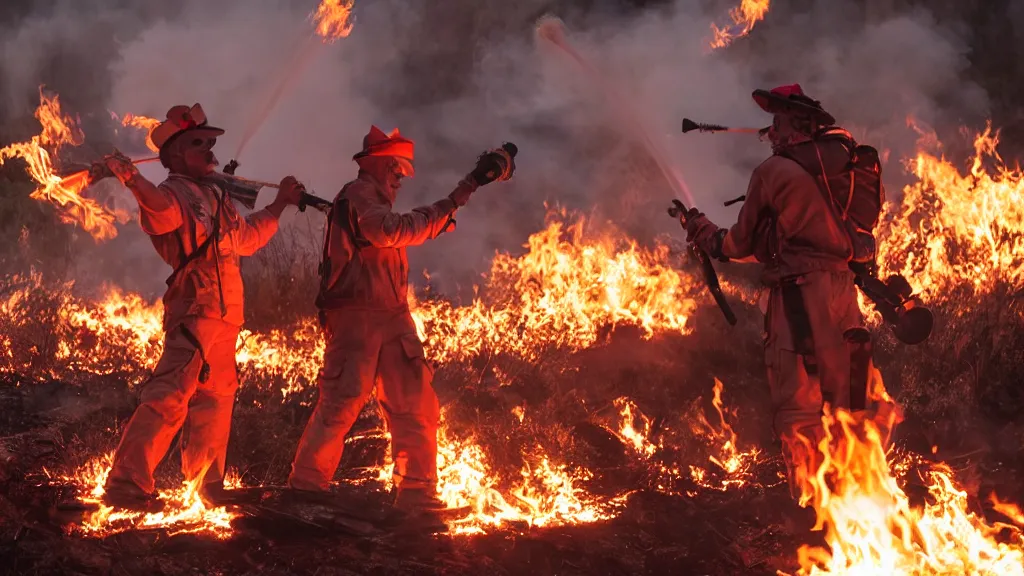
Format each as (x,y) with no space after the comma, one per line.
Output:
(365,264)
(786,224)
(210,286)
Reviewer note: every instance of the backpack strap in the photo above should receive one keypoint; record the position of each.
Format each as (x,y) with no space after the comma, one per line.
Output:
(201,249)
(349,226)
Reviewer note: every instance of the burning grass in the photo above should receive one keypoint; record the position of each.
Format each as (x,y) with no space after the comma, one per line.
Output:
(563,383)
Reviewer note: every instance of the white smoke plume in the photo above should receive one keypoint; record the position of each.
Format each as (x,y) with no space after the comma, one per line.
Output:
(461,76)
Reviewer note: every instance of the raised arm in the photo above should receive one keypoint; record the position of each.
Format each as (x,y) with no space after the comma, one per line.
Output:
(386,229)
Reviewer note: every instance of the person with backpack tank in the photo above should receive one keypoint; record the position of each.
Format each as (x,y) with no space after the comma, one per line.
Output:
(808,216)
(372,340)
(196,229)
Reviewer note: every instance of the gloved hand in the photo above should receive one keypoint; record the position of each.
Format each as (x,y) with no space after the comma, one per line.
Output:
(498,164)
(698,227)
(460,196)
(290,191)
(113,165)
(705,234)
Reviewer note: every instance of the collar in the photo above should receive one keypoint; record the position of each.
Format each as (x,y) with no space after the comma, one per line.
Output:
(383,190)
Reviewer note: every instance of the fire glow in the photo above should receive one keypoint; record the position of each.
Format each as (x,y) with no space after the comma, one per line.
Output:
(38,153)
(953,232)
(744,17)
(562,293)
(332,19)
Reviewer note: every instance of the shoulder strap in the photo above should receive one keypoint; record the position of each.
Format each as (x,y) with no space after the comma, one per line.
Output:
(202,248)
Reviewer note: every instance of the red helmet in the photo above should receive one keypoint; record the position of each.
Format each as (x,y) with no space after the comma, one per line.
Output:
(791,100)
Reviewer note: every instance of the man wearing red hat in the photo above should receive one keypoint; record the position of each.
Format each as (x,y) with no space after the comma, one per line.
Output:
(371,336)
(196,229)
(788,223)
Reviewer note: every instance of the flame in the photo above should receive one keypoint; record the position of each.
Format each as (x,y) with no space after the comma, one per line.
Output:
(143,123)
(59,130)
(561,293)
(871,526)
(953,233)
(635,429)
(1008,509)
(734,467)
(184,511)
(544,494)
(744,17)
(332,19)
(565,290)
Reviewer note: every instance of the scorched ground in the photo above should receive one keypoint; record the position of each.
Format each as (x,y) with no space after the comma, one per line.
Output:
(599,418)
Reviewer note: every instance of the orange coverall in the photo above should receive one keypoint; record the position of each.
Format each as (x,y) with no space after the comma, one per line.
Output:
(371,338)
(811,306)
(203,304)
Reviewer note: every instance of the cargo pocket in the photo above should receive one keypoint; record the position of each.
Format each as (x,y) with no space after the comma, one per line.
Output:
(410,393)
(414,351)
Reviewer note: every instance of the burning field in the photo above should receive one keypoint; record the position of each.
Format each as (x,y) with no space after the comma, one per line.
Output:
(599,417)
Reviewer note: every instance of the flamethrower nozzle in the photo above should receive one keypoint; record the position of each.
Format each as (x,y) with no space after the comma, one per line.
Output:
(496,165)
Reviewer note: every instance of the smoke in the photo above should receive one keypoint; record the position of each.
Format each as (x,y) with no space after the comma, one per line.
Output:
(462,76)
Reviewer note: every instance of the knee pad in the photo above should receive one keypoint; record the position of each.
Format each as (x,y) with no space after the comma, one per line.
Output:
(858,342)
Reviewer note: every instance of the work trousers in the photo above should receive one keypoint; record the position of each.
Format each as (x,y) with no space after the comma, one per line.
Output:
(809,325)
(173,398)
(367,349)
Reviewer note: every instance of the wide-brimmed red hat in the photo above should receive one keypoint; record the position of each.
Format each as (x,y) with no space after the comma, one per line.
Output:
(791,100)
(377,143)
(182,119)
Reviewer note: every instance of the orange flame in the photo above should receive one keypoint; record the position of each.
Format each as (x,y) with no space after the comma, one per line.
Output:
(142,123)
(870,525)
(954,232)
(184,511)
(562,292)
(744,17)
(733,467)
(332,19)
(59,130)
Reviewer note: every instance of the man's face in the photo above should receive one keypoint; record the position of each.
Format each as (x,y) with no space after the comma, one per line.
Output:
(783,133)
(195,155)
(395,174)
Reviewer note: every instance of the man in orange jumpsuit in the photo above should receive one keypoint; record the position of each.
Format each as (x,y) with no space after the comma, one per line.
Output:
(813,325)
(371,336)
(196,229)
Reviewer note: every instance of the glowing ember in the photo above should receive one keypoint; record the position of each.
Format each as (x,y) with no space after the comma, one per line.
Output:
(59,130)
(744,17)
(332,17)
(733,467)
(870,525)
(560,294)
(952,232)
(184,511)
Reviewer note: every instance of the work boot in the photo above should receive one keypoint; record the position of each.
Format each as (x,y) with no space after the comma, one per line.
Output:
(215,495)
(300,496)
(128,496)
(422,510)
